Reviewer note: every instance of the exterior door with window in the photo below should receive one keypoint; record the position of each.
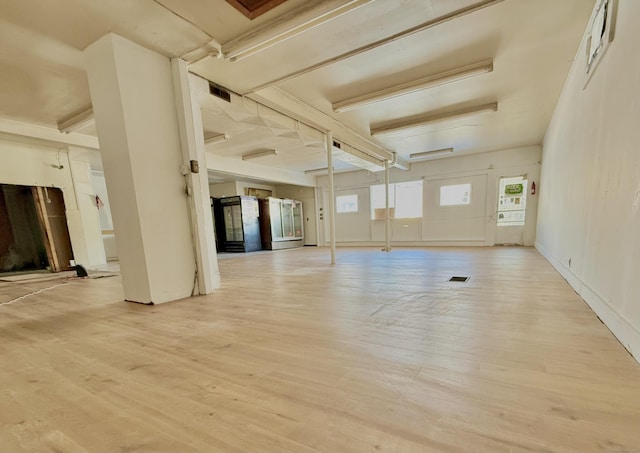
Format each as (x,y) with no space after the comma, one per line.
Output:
(511,210)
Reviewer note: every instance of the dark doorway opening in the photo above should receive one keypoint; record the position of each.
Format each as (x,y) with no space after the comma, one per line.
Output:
(33,229)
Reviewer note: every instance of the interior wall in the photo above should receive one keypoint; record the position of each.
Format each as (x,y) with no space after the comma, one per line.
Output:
(225,189)
(242,187)
(473,224)
(589,215)
(99,186)
(31,164)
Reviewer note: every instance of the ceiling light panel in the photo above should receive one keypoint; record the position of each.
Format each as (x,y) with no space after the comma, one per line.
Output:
(261,153)
(431,153)
(423,83)
(414,122)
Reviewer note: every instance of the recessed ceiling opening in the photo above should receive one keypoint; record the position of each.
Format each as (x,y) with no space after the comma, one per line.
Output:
(254,8)
(459,279)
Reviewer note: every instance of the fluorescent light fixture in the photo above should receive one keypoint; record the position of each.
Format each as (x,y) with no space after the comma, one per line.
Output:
(471,70)
(76,122)
(433,152)
(316,171)
(215,139)
(262,153)
(433,118)
(288,26)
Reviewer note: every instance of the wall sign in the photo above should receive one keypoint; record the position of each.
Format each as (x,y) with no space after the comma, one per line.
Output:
(513,189)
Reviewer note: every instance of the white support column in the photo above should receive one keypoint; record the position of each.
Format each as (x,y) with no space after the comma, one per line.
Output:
(387,225)
(332,198)
(187,92)
(132,95)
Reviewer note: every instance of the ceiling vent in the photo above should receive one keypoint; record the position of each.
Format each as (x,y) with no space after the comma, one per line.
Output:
(219,92)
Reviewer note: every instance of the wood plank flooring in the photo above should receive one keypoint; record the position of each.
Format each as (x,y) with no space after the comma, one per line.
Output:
(377,353)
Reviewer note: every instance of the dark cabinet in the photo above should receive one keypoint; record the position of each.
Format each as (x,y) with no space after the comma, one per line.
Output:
(237,224)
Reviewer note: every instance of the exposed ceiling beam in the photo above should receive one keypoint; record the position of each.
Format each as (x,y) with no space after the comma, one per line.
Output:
(403,34)
(47,134)
(422,83)
(255,170)
(414,122)
(399,162)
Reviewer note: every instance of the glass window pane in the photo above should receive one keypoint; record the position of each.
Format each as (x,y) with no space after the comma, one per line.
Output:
(454,195)
(287,219)
(347,203)
(276,219)
(378,199)
(297,219)
(408,200)
(233,222)
(405,200)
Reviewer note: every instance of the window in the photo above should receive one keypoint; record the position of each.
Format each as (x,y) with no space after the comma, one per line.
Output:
(346,203)
(512,201)
(459,194)
(599,34)
(378,201)
(405,200)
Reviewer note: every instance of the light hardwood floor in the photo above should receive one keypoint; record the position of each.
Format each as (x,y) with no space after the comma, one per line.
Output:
(378,353)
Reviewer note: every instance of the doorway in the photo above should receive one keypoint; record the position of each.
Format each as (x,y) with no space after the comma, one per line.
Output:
(511,209)
(33,229)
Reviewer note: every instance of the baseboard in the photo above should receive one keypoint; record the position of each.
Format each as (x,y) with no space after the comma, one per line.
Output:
(443,243)
(619,326)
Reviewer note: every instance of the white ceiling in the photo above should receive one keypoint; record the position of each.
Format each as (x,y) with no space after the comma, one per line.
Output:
(532,44)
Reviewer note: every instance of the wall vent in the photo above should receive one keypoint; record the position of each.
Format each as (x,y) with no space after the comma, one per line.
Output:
(219,92)
(337,144)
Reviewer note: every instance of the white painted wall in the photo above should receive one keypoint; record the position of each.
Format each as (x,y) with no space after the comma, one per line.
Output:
(230,189)
(104,215)
(242,186)
(589,217)
(224,189)
(473,224)
(31,164)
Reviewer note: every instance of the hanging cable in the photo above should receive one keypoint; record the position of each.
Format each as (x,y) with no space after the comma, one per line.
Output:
(17,299)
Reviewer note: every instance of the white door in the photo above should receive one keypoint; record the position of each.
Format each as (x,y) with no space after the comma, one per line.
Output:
(511,209)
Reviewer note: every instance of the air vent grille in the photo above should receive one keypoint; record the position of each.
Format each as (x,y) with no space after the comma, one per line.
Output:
(219,92)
